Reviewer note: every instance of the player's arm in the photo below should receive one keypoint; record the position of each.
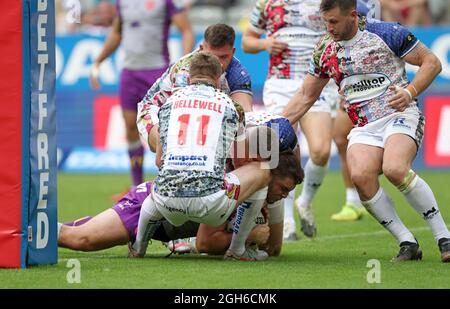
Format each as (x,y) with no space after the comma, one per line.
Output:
(304,98)
(158,155)
(112,42)
(244,99)
(429,67)
(147,117)
(275,218)
(216,240)
(183,24)
(253,43)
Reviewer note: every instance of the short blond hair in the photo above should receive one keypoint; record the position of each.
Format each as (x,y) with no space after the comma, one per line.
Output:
(205,65)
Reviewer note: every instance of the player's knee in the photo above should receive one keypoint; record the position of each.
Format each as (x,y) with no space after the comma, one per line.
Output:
(360,179)
(395,172)
(202,245)
(341,143)
(320,156)
(84,243)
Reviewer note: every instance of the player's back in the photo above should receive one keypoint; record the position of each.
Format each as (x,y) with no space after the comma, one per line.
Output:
(197,126)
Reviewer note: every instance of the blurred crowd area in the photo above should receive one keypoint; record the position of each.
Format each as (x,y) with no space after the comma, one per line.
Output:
(95,16)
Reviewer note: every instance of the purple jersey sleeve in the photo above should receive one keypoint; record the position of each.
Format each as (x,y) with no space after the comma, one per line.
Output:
(399,39)
(174,7)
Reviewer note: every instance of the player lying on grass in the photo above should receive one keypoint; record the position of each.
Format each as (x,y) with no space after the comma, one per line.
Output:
(118,225)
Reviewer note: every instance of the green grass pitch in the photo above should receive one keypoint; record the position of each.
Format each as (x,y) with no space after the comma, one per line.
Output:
(337,258)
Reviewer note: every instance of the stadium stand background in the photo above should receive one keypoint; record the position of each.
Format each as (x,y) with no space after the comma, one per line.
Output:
(90,129)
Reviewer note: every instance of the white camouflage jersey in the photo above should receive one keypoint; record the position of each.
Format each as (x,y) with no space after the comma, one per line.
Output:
(366,66)
(197,127)
(299,24)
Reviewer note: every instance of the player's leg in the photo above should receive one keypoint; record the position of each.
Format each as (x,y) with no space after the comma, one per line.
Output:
(253,182)
(129,98)
(319,143)
(150,220)
(276,96)
(352,209)
(103,231)
(135,148)
(364,170)
(212,240)
(400,151)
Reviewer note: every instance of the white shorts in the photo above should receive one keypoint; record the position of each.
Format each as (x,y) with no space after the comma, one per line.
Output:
(213,209)
(278,92)
(410,122)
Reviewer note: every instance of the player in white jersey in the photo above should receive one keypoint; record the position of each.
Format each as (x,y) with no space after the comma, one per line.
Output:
(141,27)
(293,28)
(352,209)
(235,81)
(198,125)
(366,58)
(207,241)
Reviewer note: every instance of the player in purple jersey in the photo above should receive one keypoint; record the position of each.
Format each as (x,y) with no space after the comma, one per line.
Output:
(141,27)
(118,225)
(366,59)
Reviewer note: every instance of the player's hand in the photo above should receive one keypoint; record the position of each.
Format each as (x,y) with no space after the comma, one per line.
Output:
(260,234)
(275,47)
(401,99)
(93,76)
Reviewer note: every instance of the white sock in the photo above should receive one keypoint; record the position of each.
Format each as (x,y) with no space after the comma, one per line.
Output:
(352,197)
(289,208)
(149,221)
(314,175)
(60,225)
(382,208)
(422,199)
(245,220)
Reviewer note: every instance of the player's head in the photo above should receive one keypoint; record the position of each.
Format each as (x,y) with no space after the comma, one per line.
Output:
(285,176)
(205,67)
(341,18)
(219,40)
(285,131)
(258,143)
(264,142)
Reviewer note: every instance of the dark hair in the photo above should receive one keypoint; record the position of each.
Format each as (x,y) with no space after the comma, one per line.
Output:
(219,35)
(344,5)
(289,166)
(205,64)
